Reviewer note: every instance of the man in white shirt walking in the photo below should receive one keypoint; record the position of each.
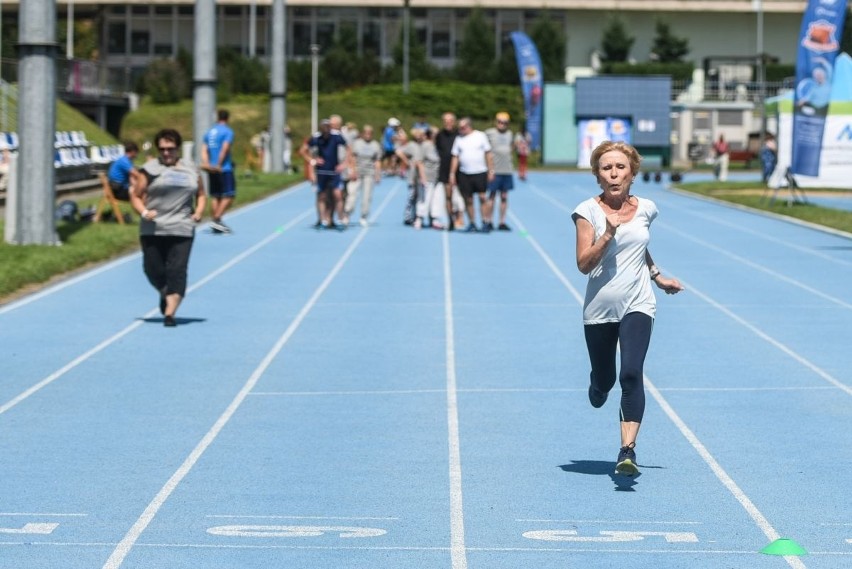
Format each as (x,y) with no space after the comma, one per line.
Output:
(472,168)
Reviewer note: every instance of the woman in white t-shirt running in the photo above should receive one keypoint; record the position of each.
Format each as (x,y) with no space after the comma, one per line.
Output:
(612,248)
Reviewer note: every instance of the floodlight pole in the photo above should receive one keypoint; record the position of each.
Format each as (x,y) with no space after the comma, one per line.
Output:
(32,192)
(314,87)
(406,40)
(761,72)
(278,86)
(204,79)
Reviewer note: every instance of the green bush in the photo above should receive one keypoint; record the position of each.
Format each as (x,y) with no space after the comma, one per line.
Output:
(165,81)
(678,71)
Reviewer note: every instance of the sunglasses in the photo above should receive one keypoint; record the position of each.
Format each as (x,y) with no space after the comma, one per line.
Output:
(167,148)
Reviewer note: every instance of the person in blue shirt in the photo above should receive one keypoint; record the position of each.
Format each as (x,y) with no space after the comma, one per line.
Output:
(120,170)
(216,160)
(323,151)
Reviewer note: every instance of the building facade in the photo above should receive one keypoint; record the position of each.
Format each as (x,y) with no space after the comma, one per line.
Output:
(134,33)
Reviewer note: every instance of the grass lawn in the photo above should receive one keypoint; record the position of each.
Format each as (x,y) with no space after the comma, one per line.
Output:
(25,268)
(750,194)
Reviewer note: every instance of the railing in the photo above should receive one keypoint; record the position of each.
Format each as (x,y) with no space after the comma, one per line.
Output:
(81,77)
(735,91)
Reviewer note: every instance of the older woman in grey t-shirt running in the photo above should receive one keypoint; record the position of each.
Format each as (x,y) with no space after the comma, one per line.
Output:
(163,192)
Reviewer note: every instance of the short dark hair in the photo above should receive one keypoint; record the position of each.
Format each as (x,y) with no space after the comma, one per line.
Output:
(169,134)
(223,115)
(130,146)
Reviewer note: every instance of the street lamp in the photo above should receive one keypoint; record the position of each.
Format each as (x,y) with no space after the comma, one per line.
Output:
(314,86)
(761,71)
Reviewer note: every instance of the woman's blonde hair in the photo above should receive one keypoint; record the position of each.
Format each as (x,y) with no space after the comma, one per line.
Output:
(632,154)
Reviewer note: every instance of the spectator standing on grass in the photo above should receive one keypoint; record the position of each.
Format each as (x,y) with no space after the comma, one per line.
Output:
(367,155)
(472,168)
(163,193)
(119,171)
(502,141)
(216,160)
(613,233)
(723,157)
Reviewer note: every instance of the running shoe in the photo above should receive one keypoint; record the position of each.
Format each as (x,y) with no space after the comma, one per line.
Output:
(219,227)
(364,222)
(169,322)
(596,398)
(503,227)
(487,227)
(471,228)
(626,464)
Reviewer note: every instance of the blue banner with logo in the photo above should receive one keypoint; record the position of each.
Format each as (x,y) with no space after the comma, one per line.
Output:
(819,42)
(532,84)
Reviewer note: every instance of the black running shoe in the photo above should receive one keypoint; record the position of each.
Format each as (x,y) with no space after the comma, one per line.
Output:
(169,322)
(503,227)
(596,398)
(626,464)
(471,229)
(487,227)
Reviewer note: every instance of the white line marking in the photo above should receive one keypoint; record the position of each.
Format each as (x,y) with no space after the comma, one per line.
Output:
(45,514)
(126,544)
(758,267)
(757,331)
(626,522)
(130,328)
(121,260)
(755,514)
(457,542)
(273,517)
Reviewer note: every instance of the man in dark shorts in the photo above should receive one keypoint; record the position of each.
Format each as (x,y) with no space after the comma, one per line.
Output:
(216,159)
(327,168)
(472,169)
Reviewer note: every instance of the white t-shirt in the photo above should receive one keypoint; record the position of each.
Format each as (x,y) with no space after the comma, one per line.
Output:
(471,149)
(621,282)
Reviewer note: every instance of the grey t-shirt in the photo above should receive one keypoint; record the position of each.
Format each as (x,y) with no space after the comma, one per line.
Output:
(431,161)
(171,190)
(366,154)
(501,148)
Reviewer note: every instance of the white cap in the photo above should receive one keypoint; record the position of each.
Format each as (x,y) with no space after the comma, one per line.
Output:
(393,121)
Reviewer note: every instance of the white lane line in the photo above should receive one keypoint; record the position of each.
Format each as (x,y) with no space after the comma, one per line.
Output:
(126,544)
(112,264)
(457,543)
(46,514)
(758,332)
(607,522)
(759,519)
(131,327)
(274,517)
(758,267)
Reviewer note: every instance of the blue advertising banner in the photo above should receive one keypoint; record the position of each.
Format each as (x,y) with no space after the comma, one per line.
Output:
(532,80)
(818,46)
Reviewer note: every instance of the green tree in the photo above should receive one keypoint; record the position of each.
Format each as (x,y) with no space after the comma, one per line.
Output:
(616,42)
(165,81)
(668,48)
(476,52)
(550,41)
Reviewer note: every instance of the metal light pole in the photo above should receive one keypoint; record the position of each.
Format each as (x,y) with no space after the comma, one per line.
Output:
(406,40)
(278,86)
(314,87)
(761,71)
(69,39)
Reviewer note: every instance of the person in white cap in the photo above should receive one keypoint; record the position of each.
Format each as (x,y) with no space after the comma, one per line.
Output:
(389,136)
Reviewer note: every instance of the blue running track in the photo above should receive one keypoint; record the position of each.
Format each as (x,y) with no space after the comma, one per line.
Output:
(388,398)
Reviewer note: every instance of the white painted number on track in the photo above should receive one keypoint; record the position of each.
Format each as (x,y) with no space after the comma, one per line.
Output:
(39,529)
(294,531)
(611,536)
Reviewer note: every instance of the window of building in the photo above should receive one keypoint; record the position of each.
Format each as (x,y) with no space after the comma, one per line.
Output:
(142,10)
(162,49)
(185,10)
(302,38)
(730,118)
(232,10)
(325,34)
(440,44)
(140,42)
(116,34)
(371,37)
(163,10)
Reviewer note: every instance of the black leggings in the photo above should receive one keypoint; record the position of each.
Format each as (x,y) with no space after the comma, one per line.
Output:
(165,258)
(633,333)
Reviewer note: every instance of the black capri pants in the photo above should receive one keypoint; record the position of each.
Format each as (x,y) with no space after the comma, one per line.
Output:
(633,333)
(165,259)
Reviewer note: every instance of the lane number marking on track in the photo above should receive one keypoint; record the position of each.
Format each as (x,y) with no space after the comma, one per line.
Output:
(294,531)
